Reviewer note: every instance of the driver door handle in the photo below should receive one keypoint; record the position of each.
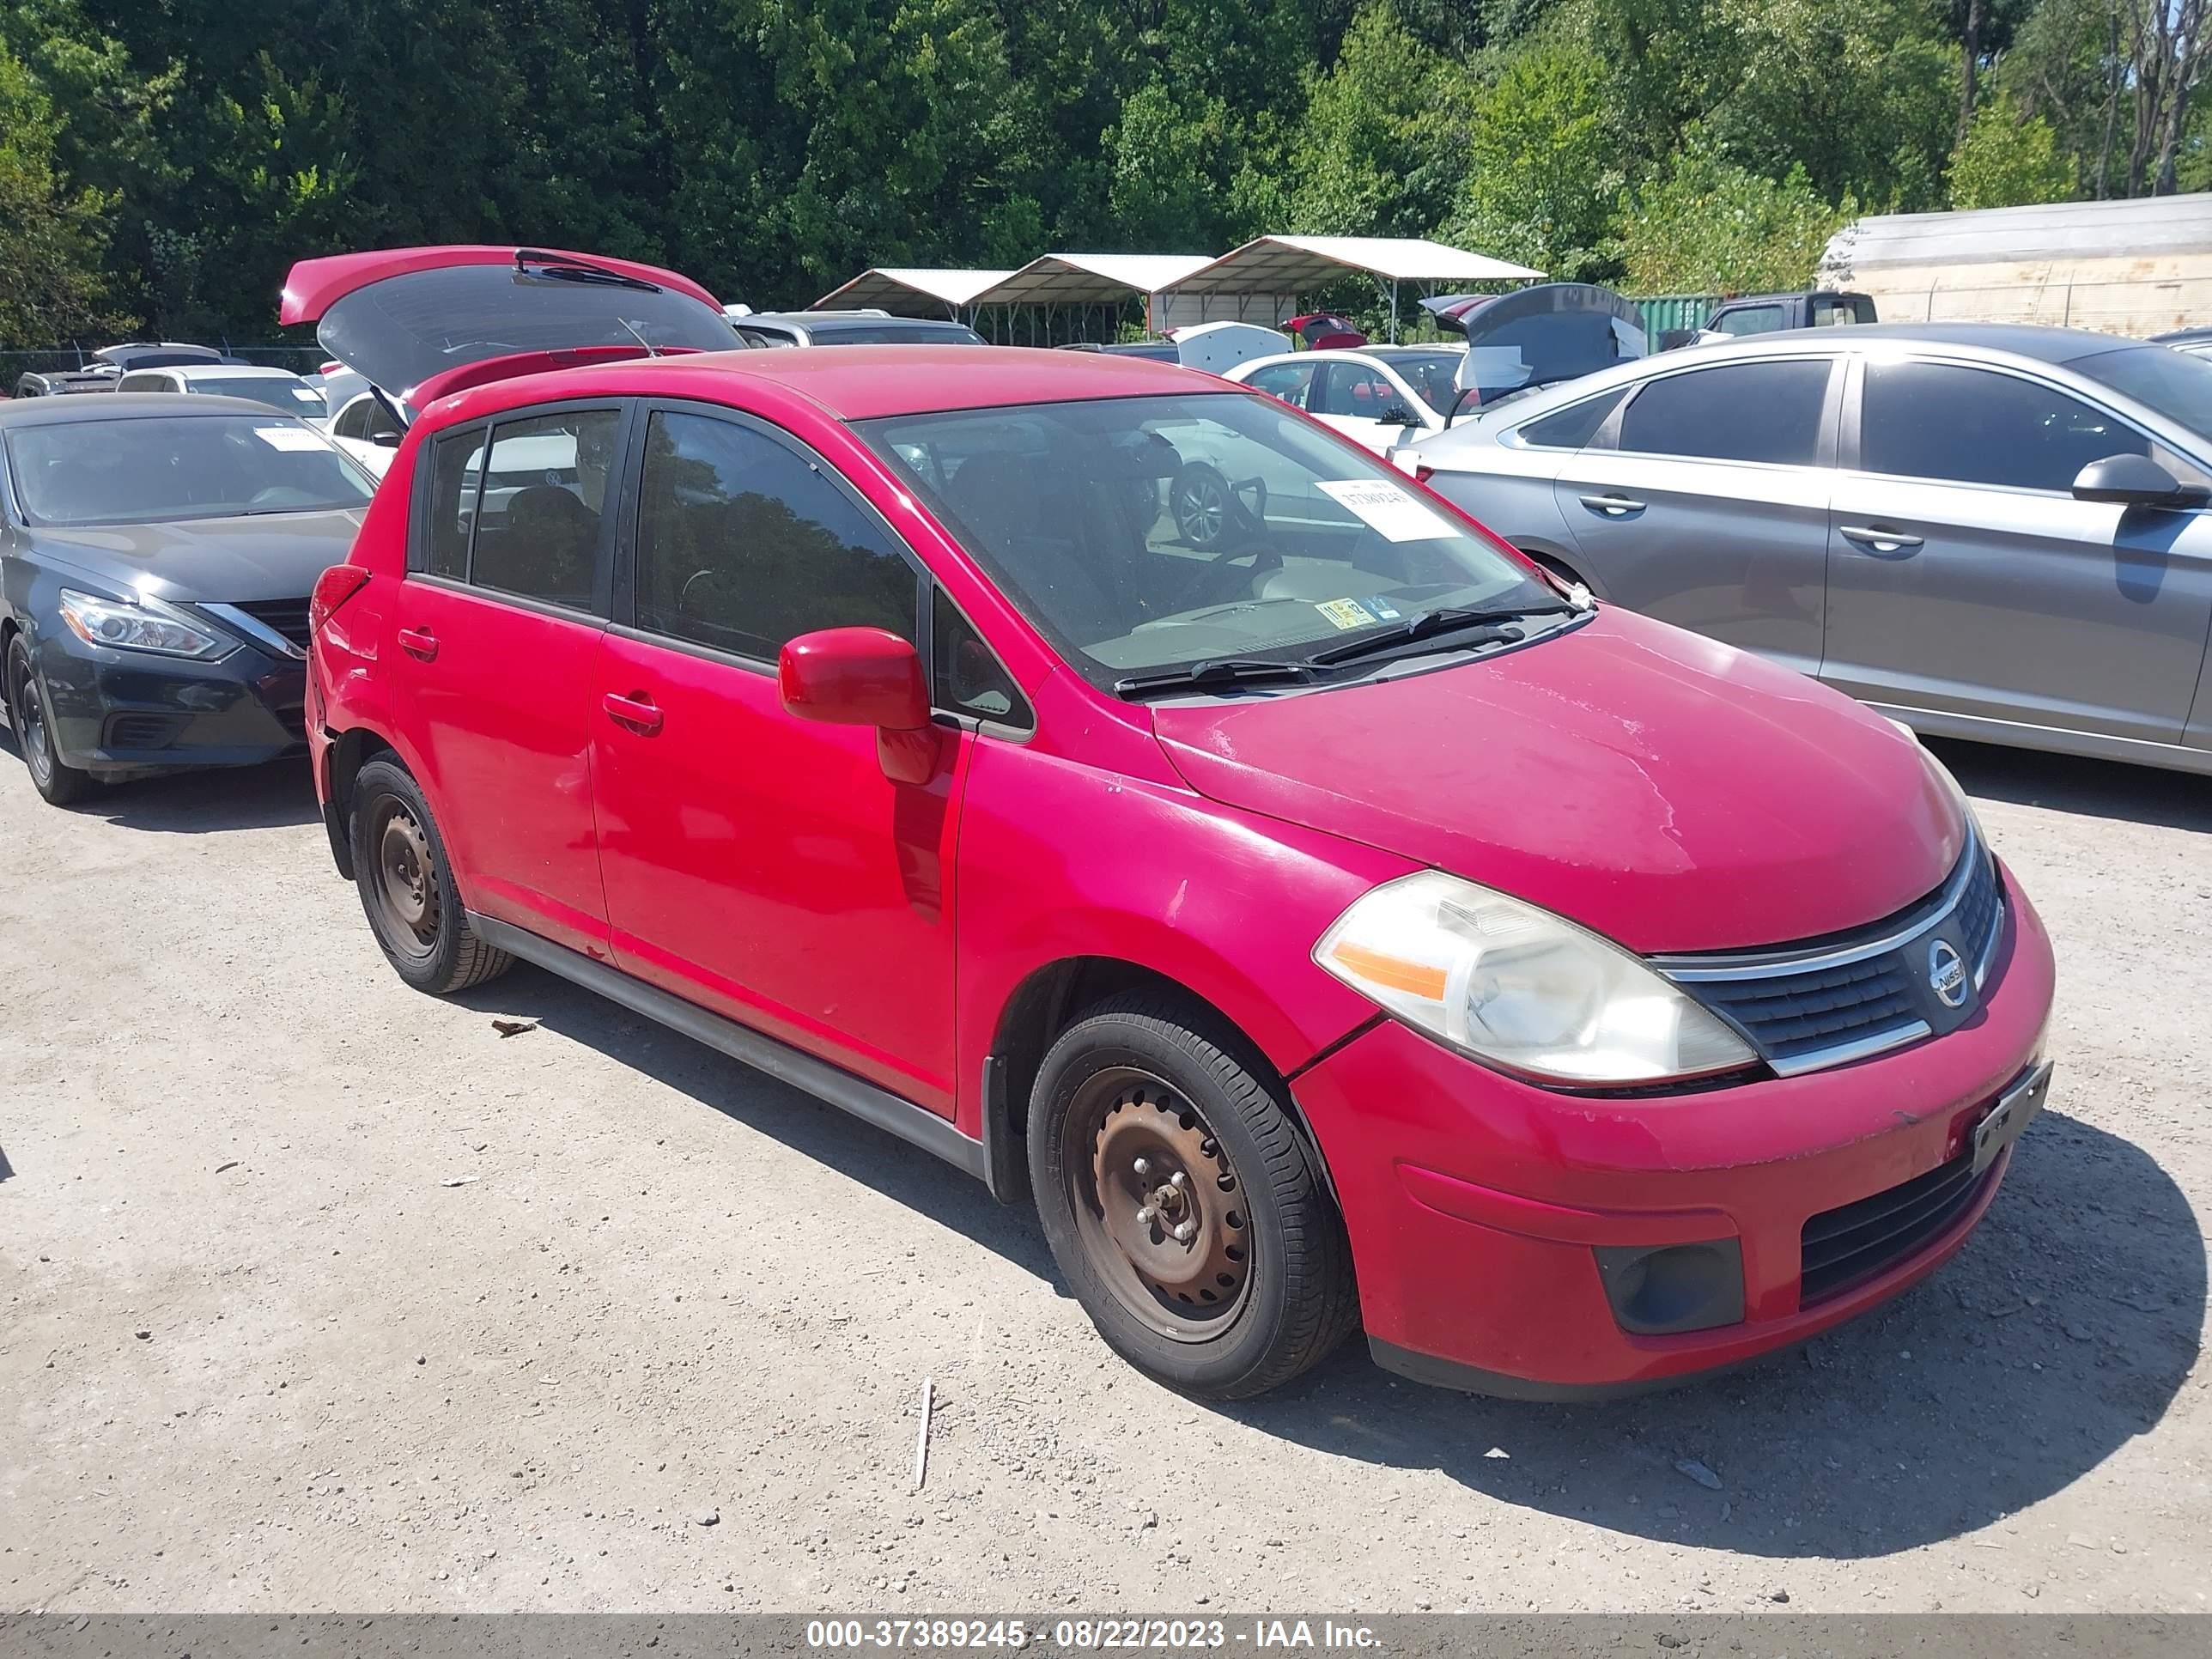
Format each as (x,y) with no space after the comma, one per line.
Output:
(636,711)
(1614,507)
(1876,540)
(418,642)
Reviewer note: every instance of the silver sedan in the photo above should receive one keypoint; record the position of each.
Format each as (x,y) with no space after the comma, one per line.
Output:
(1986,530)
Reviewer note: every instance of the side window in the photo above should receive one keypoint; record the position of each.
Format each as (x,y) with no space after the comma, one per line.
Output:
(1748,319)
(456,478)
(1573,427)
(144,383)
(544,489)
(1353,389)
(742,545)
(1742,412)
(1831,311)
(1973,426)
(763,337)
(1291,382)
(968,675)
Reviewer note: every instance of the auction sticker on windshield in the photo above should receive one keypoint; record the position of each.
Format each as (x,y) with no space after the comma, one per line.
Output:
(1385,508)
(288,437)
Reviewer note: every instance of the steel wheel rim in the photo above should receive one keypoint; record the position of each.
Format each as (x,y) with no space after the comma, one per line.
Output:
(1202,511)
(405,879)
(30,713)
(1160,1212)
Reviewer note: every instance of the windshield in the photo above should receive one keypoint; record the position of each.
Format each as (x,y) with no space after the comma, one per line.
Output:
(1150,533)
(1429,373)
(293,396)
(162,469)
(2176,385)
(893,332)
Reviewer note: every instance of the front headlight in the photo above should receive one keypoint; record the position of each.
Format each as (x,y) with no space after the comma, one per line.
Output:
(1530,991)
(143,625)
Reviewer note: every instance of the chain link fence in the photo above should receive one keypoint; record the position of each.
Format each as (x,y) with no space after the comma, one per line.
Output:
(300,358)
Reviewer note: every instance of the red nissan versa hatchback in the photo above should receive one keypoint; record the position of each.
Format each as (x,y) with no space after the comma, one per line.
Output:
(1112,781)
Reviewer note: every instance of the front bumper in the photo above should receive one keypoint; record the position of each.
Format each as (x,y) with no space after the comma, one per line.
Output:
(1477,1205)
(121,713)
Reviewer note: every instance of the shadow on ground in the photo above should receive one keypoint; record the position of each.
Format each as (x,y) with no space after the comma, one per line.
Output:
(2065,1328)
(266,797)
(2092,788)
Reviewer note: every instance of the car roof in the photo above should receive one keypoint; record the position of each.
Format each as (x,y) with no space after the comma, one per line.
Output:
(858,383)
(128,406)
(219,372)
(2050,345)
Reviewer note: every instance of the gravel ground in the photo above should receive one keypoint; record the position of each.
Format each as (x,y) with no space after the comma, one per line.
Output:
(325,1295)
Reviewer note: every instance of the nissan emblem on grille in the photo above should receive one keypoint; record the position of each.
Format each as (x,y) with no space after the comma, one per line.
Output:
(1946,974)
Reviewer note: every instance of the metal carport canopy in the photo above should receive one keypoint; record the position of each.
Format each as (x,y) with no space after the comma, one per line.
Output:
(890,285)
(1293,265)
(1089,278)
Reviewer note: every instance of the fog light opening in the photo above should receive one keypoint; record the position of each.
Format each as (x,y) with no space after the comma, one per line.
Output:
(1659,1289)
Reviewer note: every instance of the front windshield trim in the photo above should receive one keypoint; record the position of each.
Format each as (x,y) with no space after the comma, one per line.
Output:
(1079,521)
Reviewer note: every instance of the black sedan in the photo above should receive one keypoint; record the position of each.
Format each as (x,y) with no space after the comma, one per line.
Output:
(156,554)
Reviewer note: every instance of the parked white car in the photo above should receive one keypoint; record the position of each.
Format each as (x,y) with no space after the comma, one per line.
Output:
(1372,395)
(279,388)
(364,429)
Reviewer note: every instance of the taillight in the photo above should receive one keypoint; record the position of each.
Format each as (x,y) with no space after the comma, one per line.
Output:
(332,589)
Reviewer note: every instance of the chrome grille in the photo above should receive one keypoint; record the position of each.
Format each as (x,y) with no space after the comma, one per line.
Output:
(1825,1001)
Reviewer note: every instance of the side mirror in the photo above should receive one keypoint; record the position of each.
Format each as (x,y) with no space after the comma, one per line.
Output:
(2135,481)
(864,676)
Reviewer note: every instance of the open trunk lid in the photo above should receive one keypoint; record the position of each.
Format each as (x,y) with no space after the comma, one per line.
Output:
(407,319)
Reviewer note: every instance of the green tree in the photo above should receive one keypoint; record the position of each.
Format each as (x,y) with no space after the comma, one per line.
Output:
(1542,164)
(1378,152)
(51,282)
(2005,161)
(1707,226)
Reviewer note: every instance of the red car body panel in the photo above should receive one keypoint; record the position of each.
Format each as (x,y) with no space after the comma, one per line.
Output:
(1538,777)
(1452,1174)
(313,285)
(1664,790)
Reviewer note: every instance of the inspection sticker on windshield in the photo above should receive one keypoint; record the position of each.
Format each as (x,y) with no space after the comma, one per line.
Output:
(1385,508)
(1346,613)
(288,437)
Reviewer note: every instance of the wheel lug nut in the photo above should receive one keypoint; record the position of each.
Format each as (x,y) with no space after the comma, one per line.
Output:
(1180,1179)
(1146,1215)
(1186,1231)
(1143,1166)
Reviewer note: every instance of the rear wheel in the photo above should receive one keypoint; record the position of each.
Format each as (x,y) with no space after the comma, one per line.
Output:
(32,715)
(1180,1203)
(407,889)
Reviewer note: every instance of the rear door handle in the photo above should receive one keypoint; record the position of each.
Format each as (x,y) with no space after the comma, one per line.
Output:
(418,642)
(635,711)
(1614,507)
(1884,543)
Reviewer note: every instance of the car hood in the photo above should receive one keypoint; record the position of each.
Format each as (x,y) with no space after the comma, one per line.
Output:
(1666,791)
(275,556)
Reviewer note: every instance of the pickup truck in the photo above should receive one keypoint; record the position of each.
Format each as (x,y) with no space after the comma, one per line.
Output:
(1762,313)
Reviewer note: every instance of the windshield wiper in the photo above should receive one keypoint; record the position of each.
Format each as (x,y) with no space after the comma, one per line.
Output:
(1430,623)
(531,262)
(1212,670)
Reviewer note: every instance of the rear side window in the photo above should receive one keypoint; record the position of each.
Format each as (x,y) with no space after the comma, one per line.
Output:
(1767,412)
(742,544)
(1356,390)
(1973,426)
(1291,382)
(1829,311)
(527,520)
(1573,427)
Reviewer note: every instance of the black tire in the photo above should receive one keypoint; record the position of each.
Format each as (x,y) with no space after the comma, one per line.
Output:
(31,713)
(406,885)
(1136,1088)
(1202,505)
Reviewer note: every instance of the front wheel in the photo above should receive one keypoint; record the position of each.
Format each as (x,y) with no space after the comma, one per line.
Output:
(1181,1204)
(1201,504)
(407,890)
(32,715)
